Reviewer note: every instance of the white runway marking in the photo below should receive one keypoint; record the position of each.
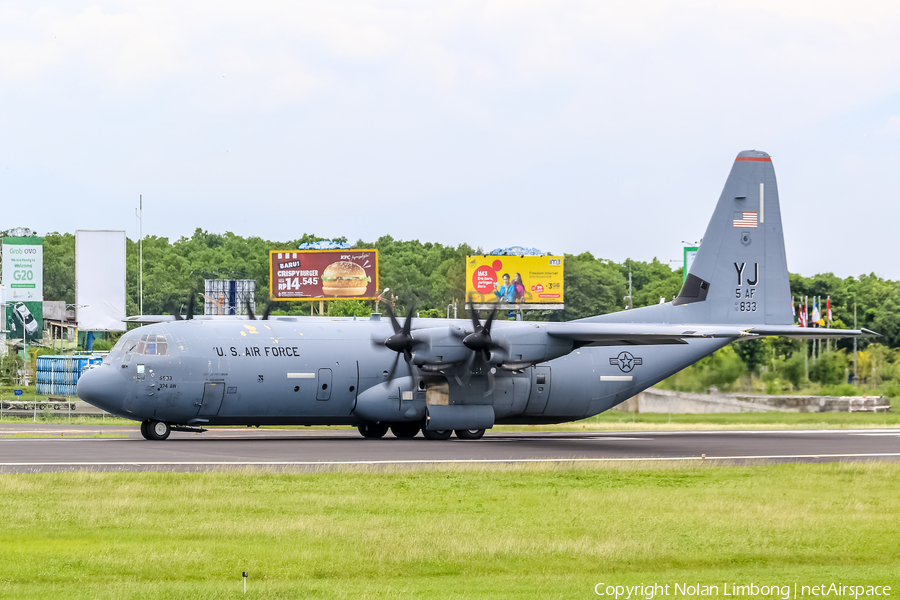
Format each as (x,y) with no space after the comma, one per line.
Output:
(473,461)
(572,439)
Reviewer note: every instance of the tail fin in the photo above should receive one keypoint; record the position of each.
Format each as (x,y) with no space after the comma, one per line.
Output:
(740,272)
(739,275)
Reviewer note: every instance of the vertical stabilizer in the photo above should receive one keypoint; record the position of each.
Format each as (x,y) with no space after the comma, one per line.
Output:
(739,275)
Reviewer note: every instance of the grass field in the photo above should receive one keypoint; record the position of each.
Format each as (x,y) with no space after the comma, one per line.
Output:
(472,532)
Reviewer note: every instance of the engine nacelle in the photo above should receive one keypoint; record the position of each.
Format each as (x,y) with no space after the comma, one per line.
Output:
(439,348)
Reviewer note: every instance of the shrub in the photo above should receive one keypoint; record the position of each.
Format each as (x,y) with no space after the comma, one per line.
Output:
(794,369)
(841,389)
(829,368)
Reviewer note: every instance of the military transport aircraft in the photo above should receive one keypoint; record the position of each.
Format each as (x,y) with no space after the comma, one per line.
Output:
(187,374)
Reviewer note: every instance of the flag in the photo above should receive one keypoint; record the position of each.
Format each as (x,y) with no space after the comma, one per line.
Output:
(817,316)
(793,310)
(745,219)
(830,318)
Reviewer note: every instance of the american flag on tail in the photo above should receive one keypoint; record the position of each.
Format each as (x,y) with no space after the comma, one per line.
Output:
(745,220)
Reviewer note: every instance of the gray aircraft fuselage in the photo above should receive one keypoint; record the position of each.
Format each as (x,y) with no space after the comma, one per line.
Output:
(322,371)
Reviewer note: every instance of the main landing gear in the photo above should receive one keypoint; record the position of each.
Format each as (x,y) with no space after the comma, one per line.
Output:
(470,434)
(155,430)
(407,431)
(373,430)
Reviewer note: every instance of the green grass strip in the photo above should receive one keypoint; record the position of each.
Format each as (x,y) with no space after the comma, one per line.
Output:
(539,531)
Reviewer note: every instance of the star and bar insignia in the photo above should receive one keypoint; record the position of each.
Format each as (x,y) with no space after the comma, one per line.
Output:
(626,361)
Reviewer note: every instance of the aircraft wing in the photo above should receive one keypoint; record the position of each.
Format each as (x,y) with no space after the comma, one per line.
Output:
(149,319)
(639,334)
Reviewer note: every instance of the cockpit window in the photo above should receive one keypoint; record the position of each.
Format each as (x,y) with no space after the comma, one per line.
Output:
(150,345)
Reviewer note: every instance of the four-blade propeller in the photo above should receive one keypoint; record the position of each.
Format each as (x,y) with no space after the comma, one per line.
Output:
(401,341)
(266,313)
(483,347)
(190,309)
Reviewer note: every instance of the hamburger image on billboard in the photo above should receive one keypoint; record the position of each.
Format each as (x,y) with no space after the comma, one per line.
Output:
(344,278)
(323,274)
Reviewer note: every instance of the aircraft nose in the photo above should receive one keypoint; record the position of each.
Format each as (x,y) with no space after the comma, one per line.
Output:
(102,387)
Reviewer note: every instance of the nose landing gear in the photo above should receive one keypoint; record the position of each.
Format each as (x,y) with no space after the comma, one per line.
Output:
(155,430)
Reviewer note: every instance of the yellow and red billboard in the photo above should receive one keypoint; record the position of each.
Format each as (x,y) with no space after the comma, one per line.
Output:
(323,274)
(515,279)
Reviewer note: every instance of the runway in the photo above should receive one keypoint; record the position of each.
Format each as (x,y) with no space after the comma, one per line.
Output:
(66,448)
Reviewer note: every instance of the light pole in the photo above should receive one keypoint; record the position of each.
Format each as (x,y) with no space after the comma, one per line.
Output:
(380,298)
(24,336)
(140,216)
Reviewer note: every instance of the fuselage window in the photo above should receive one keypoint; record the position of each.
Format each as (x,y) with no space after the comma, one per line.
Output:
(141,345)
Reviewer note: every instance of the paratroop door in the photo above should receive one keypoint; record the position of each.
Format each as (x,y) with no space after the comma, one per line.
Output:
(212,399)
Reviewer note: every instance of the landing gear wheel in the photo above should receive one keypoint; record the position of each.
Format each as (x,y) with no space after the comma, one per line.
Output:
(373,430)
(437,434)
(470,434)
(405,431)
(144,430)
(157,430)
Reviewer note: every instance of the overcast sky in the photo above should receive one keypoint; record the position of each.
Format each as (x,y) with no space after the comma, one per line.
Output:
(597,126)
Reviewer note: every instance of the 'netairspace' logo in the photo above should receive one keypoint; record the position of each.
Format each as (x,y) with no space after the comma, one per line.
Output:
(786,592)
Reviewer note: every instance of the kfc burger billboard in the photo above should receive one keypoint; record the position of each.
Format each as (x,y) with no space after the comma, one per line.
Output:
(323,274)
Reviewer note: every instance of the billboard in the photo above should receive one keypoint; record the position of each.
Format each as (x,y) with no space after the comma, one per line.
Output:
(23,277)
(515,279)
(23,269)
(323,274)
(24,320)
(690,252)
(100,280)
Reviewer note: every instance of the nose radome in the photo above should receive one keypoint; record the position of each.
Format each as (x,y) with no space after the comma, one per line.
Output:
(102,387)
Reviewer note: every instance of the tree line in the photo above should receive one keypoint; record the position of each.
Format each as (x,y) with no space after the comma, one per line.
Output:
(433,276)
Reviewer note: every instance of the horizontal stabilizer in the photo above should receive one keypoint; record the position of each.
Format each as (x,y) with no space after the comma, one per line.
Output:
(810,333)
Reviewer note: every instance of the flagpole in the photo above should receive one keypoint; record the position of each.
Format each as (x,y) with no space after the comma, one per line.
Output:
(806,342)
(816,323)
(855,375)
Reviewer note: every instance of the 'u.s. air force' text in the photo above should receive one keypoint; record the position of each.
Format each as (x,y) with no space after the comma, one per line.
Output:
(272,351)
